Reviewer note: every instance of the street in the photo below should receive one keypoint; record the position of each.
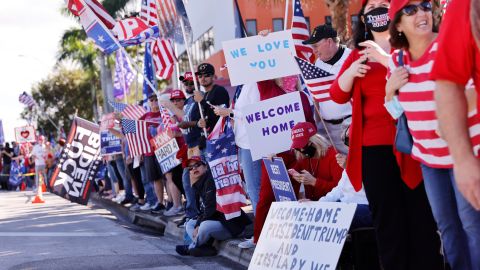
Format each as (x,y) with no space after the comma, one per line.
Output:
(63,235)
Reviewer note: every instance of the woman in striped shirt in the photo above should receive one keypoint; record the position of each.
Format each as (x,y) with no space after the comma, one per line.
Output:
(411,32)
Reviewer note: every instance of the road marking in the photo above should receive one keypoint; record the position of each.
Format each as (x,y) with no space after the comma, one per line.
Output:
(57,234)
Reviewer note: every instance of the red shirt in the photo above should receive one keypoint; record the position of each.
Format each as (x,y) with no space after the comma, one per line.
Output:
(371,123)
(458,57)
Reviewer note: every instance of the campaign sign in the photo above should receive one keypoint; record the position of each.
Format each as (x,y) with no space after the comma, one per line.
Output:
(2,136)
(109,121)
(269,124)
(281,185)
(166,149)
(308,235)
(110,144)
(79,162)
(25,134)
(259,58)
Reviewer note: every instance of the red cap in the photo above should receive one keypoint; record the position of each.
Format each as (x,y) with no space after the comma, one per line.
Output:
(196,159)
(188,76)
(177,94)
(396,6)
(301,134)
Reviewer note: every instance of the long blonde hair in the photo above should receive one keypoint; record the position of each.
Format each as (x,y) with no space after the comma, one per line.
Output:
(320,143)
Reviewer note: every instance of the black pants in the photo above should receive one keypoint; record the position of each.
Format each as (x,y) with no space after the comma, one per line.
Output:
(406,232)
(135,174)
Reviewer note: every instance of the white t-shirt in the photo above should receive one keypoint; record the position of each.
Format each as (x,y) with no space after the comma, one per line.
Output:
(329,109)
(344,192)
(40,153)
(249,95)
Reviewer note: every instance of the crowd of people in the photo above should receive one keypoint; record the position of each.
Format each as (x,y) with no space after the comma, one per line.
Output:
(423,202)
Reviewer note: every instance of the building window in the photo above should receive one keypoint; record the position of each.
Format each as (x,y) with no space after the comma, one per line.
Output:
(201,49)
(251,26)
(307,19)
(354,21)
(328,20)
(277,25)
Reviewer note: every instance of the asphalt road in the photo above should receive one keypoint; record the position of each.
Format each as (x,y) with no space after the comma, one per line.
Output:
(63,235)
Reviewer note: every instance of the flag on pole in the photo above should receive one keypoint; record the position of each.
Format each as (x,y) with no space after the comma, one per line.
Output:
(318,81)
(26,99)
(123,75)
(300,33)
(147,35)
(136,133)
(167,18)
(76,5)
(148,72)
(128,111)
(148,12)
(163,58)
(181,13)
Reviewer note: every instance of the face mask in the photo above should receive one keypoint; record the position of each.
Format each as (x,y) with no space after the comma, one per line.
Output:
(309,151)
(377,19)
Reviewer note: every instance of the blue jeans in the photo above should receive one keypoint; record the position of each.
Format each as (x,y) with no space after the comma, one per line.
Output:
(457,220)
(113,177)
(251,172)
(127,184)
(148,186)
(191,210)
(208,229)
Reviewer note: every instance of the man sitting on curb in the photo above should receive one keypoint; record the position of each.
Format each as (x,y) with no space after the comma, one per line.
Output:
(210,224)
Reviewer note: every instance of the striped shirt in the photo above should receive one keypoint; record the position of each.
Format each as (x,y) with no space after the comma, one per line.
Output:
(417,99)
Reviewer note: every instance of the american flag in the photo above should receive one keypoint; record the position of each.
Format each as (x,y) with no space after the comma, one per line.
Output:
(136,133)
(26,99)
(300,33)
(167,17)
(163,58)
(165,115)
(318,81)
(76,5)
(128,111)
(148,12)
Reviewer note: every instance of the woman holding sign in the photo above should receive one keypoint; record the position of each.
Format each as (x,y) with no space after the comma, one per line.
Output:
(402,217)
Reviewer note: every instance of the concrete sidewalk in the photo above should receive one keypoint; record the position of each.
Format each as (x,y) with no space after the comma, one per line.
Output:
(167,226)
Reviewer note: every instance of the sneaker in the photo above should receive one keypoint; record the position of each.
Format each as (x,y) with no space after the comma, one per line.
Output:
(248,243)
(146,207)
(136,207)
(169,205)
(158,208)
(173,211)
(181,223)
(119,198)
(182,250)
(203,251)
(127,201)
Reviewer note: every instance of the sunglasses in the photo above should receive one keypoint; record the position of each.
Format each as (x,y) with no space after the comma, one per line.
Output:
(176,100)
(411,10)
(188,83)
(194,166)
(302,150)
(204,75)
(153,99)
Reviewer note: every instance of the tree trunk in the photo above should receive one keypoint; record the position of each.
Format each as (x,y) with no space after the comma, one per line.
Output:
(339,12)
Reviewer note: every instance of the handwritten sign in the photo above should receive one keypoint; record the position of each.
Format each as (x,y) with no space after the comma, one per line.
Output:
(279,179)
(110,144)
(166,149)
(300,236)
(260,58)
(25,134)
(270,122)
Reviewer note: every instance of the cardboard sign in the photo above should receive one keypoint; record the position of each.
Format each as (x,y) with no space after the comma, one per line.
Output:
(2,136)
(260,58)
(25,134)
(110,144)
(269,124)
(109,121)
(281,185)
(166,149)
(307,235)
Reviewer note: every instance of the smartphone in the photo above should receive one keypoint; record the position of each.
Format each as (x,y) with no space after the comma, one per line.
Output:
(293,172)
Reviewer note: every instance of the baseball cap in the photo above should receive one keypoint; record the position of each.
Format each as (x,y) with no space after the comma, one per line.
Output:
(177,94)
(196,159)
(205,68)
(188,76)
(301,134)
(396,6)
(320,32)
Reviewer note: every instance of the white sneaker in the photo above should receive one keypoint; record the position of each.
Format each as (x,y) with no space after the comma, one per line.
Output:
(248,243)
(173,211)
(119,198)
(145,207)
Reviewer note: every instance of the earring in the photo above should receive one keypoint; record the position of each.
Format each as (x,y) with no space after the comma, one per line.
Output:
(400,34)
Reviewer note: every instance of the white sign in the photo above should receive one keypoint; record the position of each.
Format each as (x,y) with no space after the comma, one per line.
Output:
(260,58)
(166,149)
(269,124)
(25,134)
(303,236)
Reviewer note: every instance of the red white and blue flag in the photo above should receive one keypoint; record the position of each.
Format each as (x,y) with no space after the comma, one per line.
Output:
(222,159)
(123,75)
(318,81)
(128,111)
(163,58)
(137,135)
(300,33)
(26,99)
(76,5)
(148,12)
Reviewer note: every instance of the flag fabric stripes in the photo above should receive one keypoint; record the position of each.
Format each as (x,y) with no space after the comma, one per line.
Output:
(318,81)
(136,133)
(76,5)
(163,58)
(167,14)
(300,33)
(148,12)
(128,111)
(26,99)
(165,115)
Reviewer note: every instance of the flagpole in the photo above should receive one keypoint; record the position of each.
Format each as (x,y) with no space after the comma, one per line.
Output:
(285,20)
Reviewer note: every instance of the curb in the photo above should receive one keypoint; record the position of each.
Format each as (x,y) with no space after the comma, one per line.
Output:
(167,226)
